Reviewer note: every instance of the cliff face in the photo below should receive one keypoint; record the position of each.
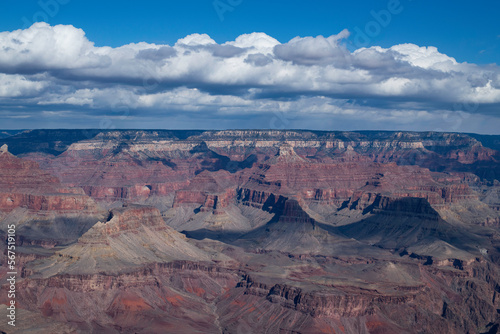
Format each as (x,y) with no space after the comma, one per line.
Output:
(137,164)
(253,231)
(408,309)
(354,185)
(158,298)
(45,212)
(211,191)
(121,176)
(131,237)
(212,298)
(24,184)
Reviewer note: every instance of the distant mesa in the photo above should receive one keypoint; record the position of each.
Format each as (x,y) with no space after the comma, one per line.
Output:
(286,154)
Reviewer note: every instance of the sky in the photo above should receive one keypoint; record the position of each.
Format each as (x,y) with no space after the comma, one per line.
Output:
(215,64)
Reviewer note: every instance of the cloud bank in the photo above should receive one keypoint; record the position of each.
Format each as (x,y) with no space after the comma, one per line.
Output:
(54,76)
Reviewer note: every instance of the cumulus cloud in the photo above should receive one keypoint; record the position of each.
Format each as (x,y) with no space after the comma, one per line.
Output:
(425,57)
(258,41)
(57,67)
(258,59)
(17,85)
(315,50)
(156,54)
(42,47)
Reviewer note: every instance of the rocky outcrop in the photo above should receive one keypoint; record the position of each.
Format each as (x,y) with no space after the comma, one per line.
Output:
(334,303)
(24,184)
(356,183)
(156,298)
(131,237)
(212,192)
(259,199)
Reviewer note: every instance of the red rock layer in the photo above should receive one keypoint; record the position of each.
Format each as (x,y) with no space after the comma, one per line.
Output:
(212,191)
(335,183)
(24,184)
(110,177)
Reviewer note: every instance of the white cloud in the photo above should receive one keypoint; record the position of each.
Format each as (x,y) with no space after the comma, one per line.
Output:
(17,85)
(42,47)
(425,57)
(57,65)
(315,50)
(259,42)
(196,39)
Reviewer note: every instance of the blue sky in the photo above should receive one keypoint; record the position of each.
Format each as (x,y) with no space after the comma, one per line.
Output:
(386,86)
(468,31)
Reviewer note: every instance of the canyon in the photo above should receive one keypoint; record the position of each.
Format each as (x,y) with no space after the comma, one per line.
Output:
(251,231)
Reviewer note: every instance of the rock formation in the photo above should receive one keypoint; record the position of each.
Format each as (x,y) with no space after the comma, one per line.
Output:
(248,231)
(131,237)
(24,184)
